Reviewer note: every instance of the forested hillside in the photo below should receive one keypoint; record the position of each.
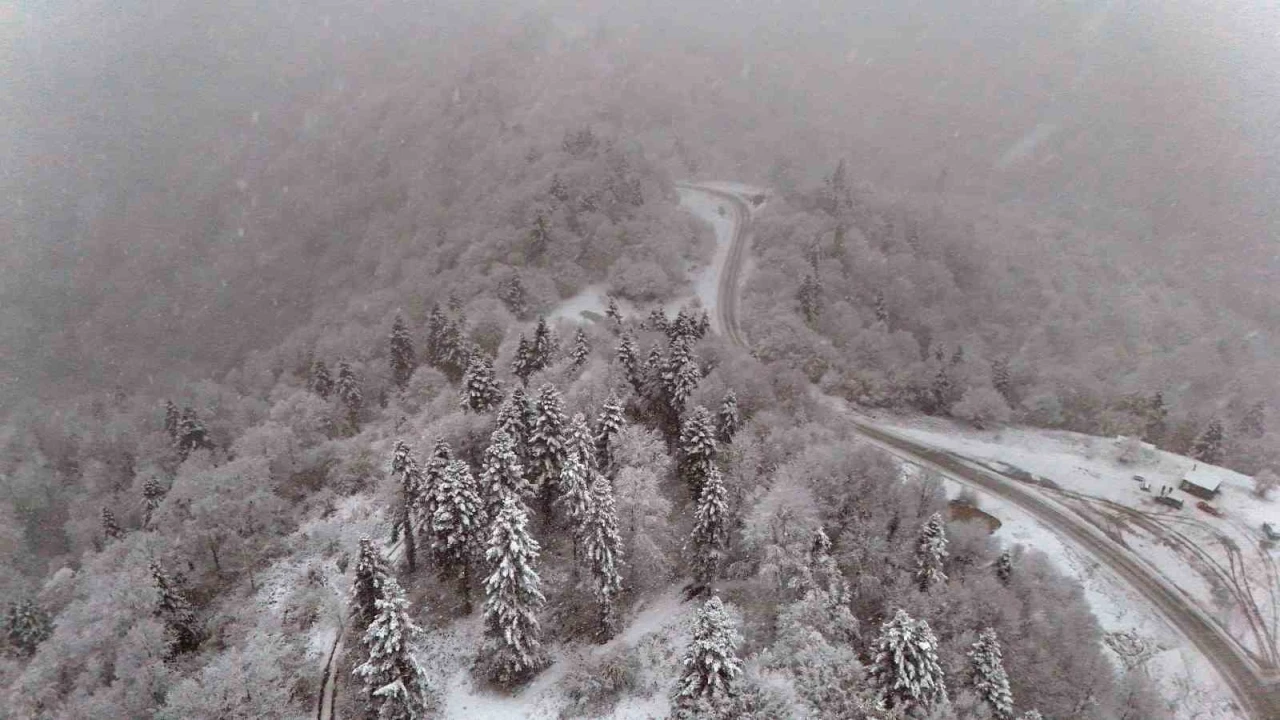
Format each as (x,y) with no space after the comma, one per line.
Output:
(276,367)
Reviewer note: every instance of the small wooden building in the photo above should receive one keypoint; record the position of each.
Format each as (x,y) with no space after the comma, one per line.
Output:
(1200,483)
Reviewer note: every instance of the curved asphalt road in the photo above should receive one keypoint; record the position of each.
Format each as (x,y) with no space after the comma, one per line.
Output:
(1256,689)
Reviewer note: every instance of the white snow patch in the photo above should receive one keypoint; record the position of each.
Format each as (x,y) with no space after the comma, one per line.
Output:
(1087,465)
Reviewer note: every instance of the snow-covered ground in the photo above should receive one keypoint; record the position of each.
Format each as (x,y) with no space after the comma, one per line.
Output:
(451,653)
(1223,564)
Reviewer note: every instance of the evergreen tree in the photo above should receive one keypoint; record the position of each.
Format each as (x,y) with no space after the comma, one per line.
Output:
(321,380)
(1032,715)
(1209,446)
(558,191)
(943,391)
(711,665)
(1254,423)
(456,525)
(613,313)
(728,421)
(680,375)
(539,237)
(512,598)
(480,389)
(513,418)
(27,625)
(657,321)
(810,297)
(574,483)
(547,441)
(403,360)
(629,358)
(349,393)
(432,477)
(171,420)
(651,386)
(1001,378)
(710,529)
(608,424)
(152,493)
(371,575)
(882,310)
(602,552)
(524,363)
(501,474)
(545,346)
(455,349)
(192,434)
(697,449)
(931,551)
(514,296)
(989,677)
(581,348)
(905,666)
(175,611)
(437,329)
(1157,419)
(394,682)
(412,489)
(1004,567)
(110,528)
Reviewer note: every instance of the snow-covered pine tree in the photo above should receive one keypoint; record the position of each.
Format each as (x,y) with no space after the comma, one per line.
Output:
(545,346)
(192,434)
(657,320)
(514,295)
(547,442)
(513,648)
(321,380)
(153,491)
(111,529)
(681,326)
(629,358)
(697,449)
(702,324)
(26,625)
(437,324)
(402,358)
(810,298)
(988,675)
(456,350)
(480,389)
(1004,567)
(501,474)
(524,363)
(602,552)
(614,313)
(710,529)
(1253,424)
(175,611)
(727,420)
(513,418)
(349,392)
(412,490)
(1209,446)
(931,551)
(826,574)
(395,684)
(882,309)
(942,391)
(573,487)
(171,420)
(651,386)
(680,375)
(456,525)
(1032,715)
(608,424)
(711,664)
(432,476)
(371,574)
(905,667)
(539,237)
(1001,378)
(581,348)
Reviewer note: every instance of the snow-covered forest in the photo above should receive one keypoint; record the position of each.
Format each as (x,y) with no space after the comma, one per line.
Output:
(290,425)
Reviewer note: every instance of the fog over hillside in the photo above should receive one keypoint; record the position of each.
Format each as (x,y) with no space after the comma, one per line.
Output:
(128,127)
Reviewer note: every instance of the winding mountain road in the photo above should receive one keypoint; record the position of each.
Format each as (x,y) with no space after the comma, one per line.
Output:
(1256,688)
